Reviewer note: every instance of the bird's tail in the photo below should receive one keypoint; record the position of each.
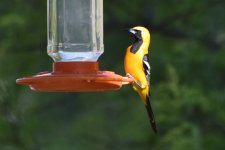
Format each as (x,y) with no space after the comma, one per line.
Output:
(150,114)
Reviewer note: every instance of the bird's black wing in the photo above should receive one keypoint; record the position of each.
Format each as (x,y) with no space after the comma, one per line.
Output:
(147,68)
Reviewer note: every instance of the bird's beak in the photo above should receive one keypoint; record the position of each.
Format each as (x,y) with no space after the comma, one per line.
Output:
(132,31)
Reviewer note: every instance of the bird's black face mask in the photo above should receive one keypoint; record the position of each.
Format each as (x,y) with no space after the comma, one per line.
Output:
(137,40)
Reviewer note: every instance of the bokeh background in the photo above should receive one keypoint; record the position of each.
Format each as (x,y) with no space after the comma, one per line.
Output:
(188,81)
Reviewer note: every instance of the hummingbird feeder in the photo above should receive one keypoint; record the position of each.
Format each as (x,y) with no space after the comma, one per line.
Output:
(75,42)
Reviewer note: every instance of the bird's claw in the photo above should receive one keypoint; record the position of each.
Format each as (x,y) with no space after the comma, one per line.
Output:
(138,83)
(129,75)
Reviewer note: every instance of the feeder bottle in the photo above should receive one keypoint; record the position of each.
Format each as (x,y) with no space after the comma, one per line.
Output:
(75,30)
(75,42)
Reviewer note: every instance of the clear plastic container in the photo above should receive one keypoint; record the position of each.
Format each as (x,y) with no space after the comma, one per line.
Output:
(75,30)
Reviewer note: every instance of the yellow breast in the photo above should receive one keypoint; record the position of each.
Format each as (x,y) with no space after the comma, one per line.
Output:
(134,66)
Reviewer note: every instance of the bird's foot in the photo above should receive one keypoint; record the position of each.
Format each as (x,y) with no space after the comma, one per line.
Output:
(129,75)
(135,81)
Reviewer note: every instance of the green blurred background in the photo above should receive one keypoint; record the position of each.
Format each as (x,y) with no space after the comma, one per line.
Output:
(188,76)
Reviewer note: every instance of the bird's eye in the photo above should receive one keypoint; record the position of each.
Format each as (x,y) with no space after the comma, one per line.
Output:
(134,38)
(138,35)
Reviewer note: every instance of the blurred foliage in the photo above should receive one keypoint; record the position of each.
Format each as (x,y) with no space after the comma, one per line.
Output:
(188,76)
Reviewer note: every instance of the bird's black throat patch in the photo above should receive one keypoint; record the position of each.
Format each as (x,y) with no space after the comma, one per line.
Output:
(137,43)
(135,47)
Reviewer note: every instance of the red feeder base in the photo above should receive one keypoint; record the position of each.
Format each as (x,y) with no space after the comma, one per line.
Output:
(75,77)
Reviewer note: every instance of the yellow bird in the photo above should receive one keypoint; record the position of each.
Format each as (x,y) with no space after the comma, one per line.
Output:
(136,64)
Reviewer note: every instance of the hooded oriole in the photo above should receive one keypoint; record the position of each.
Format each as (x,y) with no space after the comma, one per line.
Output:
(136,64)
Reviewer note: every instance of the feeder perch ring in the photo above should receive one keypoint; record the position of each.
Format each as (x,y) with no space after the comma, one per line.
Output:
(75,77)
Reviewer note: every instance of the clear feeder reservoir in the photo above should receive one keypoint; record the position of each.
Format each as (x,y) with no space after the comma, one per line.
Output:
(75,30)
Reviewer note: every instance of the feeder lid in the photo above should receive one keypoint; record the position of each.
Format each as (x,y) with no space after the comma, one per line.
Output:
(75,77)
